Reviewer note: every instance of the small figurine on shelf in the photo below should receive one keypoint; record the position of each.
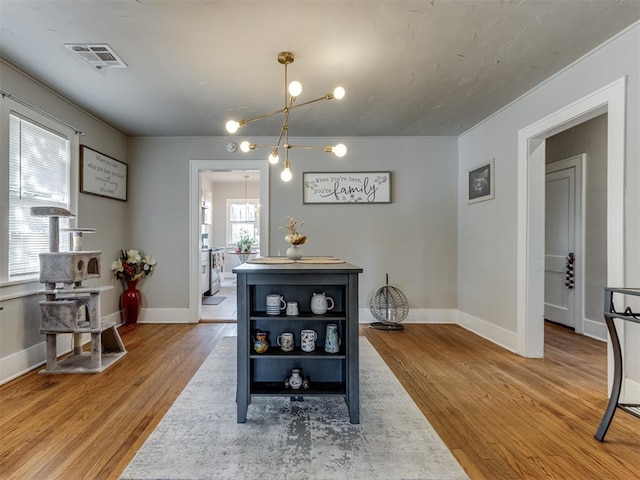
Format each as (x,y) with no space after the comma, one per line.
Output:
(306,383)
(260,341)
(286,382)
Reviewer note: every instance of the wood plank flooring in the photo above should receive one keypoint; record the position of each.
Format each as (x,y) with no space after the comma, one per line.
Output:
(89,426)
(502,416)
(507,417)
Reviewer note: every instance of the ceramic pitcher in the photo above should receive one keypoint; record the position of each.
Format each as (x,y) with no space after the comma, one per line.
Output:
(320,303)
(332,339)
(260,341)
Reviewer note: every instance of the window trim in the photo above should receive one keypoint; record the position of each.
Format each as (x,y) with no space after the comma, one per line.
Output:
(7,107)
(256,221)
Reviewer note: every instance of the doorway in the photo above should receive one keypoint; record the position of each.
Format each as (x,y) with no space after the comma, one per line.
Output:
(197,167)
(233,227)
(530,210)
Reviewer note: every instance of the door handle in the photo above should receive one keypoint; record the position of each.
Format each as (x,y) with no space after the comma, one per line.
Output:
(570,270)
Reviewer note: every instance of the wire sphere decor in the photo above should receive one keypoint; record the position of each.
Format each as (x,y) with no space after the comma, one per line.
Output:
(389,306)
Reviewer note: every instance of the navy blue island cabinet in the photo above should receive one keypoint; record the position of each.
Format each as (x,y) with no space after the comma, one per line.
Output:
(333,373)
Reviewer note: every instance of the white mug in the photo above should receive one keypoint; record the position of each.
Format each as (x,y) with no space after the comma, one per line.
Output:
(275,303)
(292,308)
(286,341)
(308,340)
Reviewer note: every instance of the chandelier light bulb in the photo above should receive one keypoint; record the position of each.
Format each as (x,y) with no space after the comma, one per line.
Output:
(245,146)
(274,158)
(232,126)
(286,174)
(339,150)
(295,88)
(338,93)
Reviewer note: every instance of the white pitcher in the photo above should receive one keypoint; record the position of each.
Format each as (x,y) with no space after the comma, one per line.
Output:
(320,303)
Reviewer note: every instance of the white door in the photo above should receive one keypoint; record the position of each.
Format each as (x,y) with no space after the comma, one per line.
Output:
(560,242)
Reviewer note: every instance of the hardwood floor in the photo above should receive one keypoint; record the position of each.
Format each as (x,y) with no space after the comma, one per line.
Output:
(90,426)
(502,416)
(507,417)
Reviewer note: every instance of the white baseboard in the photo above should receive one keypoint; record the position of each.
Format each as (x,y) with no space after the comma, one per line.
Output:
(164,315)
(417,315)
(595,330)
(630,392)
(495,334)
(26,360)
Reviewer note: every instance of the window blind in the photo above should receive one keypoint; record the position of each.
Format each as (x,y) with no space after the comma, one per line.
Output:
(39,175)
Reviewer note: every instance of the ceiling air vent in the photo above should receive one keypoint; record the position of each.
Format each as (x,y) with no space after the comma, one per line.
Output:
(98,55)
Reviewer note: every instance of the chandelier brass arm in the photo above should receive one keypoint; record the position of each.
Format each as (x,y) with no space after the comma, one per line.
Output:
(286,110)
(291,92)
(335,149)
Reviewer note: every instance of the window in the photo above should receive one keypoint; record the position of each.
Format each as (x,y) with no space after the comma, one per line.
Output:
(39,175)
(243,215)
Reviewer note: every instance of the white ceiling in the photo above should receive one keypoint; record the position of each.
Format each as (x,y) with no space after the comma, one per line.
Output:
(429,67)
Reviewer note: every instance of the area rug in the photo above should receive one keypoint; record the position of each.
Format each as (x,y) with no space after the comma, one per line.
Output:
(199,438)
(213,300)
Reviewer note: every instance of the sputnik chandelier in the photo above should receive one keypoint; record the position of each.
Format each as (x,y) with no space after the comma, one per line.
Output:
(291,92)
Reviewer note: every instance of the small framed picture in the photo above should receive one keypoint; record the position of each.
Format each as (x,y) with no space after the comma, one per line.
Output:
(480,183)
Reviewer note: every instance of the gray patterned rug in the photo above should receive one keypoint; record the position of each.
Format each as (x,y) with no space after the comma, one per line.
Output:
(199,438)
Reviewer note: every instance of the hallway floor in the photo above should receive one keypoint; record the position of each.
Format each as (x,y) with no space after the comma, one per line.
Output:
(225,310)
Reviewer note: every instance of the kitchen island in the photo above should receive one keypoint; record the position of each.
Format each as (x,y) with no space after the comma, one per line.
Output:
(328,374)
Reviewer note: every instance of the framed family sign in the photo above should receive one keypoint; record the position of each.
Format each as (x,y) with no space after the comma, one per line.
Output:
(102,175)
(481,183)
(346,187)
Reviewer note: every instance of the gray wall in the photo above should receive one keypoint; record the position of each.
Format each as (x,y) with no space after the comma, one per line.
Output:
(487,244)
(590,138)
(221,192)
(413,238)
(20,320)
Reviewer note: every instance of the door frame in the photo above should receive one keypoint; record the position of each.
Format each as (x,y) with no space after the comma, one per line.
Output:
(195,166)
(579,163)
(530,206)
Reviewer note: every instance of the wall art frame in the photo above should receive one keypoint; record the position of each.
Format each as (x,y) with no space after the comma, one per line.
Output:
(480,182)
(102,175)
(346,187)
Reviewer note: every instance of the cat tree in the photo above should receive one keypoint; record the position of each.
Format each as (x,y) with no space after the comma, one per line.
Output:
(71,308)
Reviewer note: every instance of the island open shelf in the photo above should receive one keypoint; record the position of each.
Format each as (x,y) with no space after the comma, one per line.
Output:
(329,374)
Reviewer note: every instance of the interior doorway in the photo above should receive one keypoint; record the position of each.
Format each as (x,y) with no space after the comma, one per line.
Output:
(230,236)
(217,238)
(530,232)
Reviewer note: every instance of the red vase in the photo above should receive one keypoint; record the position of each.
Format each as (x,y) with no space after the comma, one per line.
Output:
(130,303)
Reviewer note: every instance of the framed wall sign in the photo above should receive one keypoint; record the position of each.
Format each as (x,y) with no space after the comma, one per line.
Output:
(102,175)
(480,183)
(346,187)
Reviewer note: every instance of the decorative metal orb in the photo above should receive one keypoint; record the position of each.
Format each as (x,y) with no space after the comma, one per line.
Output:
(389,306)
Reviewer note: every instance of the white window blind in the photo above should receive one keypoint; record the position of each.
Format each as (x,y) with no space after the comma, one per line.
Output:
(39,175)
(242,216)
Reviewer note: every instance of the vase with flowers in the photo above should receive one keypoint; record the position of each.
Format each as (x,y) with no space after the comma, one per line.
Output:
(245,242)
(130,267)
(294,239)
